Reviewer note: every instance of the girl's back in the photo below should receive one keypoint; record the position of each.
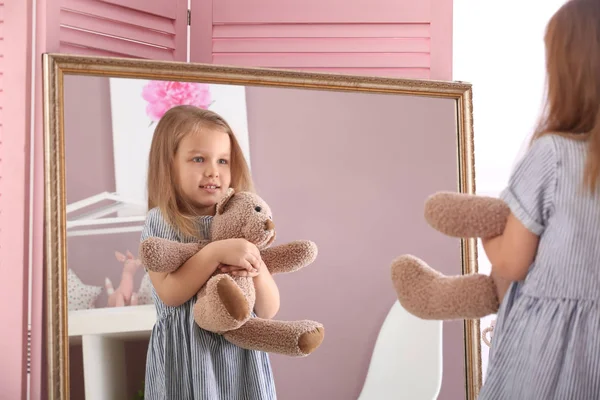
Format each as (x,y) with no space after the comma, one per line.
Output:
(568,256)
(546,343)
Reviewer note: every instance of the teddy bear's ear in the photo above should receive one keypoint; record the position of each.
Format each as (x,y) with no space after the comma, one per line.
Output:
(223,202)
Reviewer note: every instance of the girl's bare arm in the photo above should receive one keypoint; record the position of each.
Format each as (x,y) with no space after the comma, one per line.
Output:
(175,288)
(512,253)
(267,294)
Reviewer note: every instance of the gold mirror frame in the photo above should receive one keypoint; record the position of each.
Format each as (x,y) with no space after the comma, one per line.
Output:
(55,66)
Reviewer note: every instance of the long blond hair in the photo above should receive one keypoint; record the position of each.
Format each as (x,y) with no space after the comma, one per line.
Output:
(163,191)
(573,80)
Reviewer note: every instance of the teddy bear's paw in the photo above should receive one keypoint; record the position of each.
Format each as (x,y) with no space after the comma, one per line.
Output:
(466,216)
(289,338)
(290,257)
(161,255)
(221,305)
(233,300)
(428,294)
(310,340)
(310,251)
(414,282)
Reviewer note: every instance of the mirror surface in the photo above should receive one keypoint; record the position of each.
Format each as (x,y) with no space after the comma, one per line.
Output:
(347,170)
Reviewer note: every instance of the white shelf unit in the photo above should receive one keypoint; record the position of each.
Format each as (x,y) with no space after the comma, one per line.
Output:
(131,215)
(102,333)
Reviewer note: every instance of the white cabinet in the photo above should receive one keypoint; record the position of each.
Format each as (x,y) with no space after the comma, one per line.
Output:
(102,333)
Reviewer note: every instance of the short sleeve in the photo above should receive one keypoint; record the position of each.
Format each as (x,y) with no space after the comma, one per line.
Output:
(156,226)
(530,192)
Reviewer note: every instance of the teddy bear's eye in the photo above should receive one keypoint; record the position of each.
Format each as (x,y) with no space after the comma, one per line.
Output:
(257,209)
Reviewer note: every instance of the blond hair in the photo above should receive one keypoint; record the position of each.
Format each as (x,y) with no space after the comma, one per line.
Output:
(573,80)
(163,190)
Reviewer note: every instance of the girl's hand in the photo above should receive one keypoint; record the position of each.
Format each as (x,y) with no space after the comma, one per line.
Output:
(238,271)
(239,253)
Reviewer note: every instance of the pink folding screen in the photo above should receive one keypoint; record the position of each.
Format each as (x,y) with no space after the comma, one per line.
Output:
(15,96)
(400,38)
(154,29)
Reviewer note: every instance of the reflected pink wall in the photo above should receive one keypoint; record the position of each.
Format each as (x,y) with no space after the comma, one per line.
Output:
(88,137)
(351,172)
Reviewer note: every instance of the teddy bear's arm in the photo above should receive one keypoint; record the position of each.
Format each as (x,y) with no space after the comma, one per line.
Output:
(289,257)
(466,216)
(469,216)
(429,294)
(162,255)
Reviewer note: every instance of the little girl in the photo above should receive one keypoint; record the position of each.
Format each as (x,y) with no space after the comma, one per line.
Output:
(547,338)
(194,159)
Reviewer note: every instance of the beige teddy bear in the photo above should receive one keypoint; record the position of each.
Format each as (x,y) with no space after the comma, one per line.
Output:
(225,303)
(428,294)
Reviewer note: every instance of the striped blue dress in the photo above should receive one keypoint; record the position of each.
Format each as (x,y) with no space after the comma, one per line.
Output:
(547,338)
(185,362)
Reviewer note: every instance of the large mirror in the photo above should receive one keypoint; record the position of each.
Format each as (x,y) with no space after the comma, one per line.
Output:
(344,161)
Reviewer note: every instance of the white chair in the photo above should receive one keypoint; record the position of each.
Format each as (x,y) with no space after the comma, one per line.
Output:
(407,359)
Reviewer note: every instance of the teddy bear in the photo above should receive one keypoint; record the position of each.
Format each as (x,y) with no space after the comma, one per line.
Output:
(429,294)
(225,303)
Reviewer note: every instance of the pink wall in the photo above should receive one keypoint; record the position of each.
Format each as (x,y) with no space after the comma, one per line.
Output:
(351,172)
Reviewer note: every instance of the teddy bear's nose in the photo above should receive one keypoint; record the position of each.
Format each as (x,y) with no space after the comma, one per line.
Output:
(269,225)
